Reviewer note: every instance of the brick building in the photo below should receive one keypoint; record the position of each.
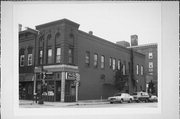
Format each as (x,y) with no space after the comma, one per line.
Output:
(26,62)
(151,58)
(62,51)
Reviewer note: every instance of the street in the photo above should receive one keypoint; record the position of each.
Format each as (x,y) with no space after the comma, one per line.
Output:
(119,105)
(86,104)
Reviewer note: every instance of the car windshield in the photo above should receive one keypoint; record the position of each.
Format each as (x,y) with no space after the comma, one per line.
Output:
(119,94)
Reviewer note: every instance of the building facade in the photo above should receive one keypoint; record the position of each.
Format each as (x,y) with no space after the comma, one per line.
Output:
(63,52)
(151,63)
(26,62)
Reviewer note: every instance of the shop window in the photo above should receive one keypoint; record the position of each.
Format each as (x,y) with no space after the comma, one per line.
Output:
(70,56)
(102,62)
(95,60)
(87,58)
(49,56)
(114,64)
(58,55)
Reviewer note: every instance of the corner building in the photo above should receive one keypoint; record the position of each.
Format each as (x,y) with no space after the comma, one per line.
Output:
(62,50)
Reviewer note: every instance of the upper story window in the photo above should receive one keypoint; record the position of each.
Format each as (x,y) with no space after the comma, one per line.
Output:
(87,58)
(110,62)
(21,60)
(142,70)
(114,64)
(124,69)
(21,53)
(150,64)
(58,55)
(119,64)
(95,60)
(49,59)
(57,38)
(29,56)
(102,62)
(29,59)
(40,57)
(150,55)
(137,69)
(70,56)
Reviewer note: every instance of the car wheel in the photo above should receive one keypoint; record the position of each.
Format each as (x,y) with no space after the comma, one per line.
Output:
(146,100)
(130,100)
(111,102)
(121,101)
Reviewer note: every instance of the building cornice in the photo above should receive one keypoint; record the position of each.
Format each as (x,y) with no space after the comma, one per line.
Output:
(66,21)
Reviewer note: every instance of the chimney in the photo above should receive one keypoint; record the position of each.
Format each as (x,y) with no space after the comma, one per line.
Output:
(20,27)
(90,32)
(134,40)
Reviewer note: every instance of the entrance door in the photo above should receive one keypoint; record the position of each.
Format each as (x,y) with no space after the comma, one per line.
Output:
(58,91)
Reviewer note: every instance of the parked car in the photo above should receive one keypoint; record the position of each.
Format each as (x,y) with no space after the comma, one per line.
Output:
(121,97)
(153,98)
(141,96)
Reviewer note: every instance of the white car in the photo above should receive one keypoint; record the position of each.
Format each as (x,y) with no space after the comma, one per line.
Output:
(153,98)
(121,97)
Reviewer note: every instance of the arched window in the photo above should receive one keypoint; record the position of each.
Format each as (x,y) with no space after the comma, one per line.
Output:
(57,38)
(48,40)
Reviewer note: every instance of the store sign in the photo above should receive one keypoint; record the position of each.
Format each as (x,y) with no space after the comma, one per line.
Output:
(70,75)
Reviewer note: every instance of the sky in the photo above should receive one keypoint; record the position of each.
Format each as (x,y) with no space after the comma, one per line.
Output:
(112,21)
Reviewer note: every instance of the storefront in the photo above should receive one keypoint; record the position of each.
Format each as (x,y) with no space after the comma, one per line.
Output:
(60,83)
(26,86)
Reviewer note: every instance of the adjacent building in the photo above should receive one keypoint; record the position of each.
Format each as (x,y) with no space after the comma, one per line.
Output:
(151,58)
(59,53)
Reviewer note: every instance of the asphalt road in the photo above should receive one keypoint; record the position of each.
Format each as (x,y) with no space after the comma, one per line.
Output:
(120,105)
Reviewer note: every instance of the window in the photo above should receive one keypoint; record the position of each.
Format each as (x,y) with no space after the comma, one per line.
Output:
(137,69)
(150,55)
(95,60)
(110,62)
(102,62)
(142,70)
(40,56)
(70,56)
(29,59)
(114,64)
(87,58)
(119,64)
(124,69)
(58,55)
(150,64)
(22,60)
(49,56)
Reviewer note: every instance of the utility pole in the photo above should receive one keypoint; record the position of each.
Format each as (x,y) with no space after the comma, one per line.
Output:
(41,101)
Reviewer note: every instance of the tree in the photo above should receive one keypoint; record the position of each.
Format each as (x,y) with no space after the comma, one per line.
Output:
(151,89)
(120,79)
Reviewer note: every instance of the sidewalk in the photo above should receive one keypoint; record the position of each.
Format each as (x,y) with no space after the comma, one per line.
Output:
(27,103)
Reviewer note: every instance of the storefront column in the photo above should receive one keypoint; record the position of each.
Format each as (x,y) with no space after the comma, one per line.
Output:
(34,91)
(77,84)
(63,86)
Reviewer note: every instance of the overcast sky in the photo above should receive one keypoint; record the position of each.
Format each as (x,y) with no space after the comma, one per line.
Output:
(113,21)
